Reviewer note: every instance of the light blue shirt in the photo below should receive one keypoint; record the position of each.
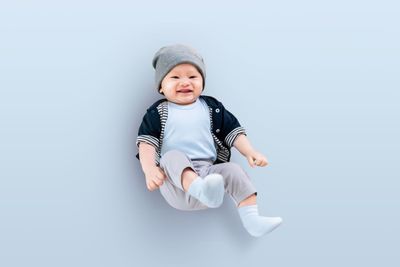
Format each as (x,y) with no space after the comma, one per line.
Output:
(188,130)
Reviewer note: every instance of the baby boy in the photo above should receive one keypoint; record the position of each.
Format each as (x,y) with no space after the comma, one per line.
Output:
(185,142)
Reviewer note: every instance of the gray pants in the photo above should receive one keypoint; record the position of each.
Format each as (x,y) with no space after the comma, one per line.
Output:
(236,181)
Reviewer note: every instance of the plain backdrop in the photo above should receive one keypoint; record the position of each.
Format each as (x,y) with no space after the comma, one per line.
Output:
(315,84)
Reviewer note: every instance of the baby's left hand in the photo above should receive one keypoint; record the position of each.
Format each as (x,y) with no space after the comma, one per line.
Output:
(257,159)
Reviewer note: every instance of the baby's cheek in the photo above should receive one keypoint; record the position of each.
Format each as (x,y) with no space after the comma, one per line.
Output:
(169,88)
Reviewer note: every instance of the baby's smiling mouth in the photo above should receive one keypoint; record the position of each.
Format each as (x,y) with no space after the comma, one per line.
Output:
(184,91)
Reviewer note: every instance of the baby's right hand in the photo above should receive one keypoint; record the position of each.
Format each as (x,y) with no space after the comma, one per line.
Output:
(155,177)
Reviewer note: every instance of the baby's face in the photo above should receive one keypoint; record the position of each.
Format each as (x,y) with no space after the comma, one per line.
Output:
(182,85)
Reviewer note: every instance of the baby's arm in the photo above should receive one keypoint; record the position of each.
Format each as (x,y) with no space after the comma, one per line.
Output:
(154,175)
(242,144)
(147,155)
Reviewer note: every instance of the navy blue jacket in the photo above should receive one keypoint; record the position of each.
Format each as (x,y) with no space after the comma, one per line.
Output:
(224,127)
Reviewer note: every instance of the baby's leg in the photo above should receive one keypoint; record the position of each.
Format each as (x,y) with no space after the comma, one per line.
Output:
(251,200)
(242,191)
(174,163)
(188,176)
(208,190)
(237,182)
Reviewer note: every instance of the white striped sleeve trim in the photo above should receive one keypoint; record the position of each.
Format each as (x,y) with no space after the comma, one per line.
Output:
(151,140)
(230,138)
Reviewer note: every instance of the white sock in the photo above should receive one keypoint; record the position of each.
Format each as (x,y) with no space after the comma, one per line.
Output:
(209,191)
(255,224)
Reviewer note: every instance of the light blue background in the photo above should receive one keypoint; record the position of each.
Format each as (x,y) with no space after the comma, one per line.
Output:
(315,83)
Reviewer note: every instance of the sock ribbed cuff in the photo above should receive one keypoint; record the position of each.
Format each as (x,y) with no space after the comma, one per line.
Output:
(195,186)
(248,210)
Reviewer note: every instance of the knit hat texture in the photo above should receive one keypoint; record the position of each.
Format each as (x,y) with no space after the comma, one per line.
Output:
(167,57)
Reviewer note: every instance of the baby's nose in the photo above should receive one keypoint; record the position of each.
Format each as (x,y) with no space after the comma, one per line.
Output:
(185,80)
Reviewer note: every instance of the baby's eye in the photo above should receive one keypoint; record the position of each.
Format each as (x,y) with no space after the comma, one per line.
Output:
(174,77)
(192,77)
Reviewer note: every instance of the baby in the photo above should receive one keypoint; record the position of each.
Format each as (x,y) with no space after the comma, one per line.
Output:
(185,142)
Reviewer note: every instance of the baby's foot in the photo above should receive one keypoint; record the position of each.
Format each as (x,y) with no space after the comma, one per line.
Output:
(208,190)
(255,224)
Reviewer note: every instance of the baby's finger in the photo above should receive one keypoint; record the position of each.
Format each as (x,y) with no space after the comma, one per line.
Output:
(158,177)
(162,175)
(251,161)
(263,163)
(158,182)
(152,186)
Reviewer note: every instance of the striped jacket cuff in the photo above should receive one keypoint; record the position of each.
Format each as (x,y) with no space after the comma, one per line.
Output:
(151,140)
(230,138)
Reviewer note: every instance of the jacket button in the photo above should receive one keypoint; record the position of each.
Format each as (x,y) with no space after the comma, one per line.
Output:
(217,131)
(217,110)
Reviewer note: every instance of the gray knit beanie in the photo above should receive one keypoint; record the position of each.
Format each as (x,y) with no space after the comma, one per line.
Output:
(168,57)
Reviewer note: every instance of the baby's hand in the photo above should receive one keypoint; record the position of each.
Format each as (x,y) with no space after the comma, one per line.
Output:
(257,159)
(154,178)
